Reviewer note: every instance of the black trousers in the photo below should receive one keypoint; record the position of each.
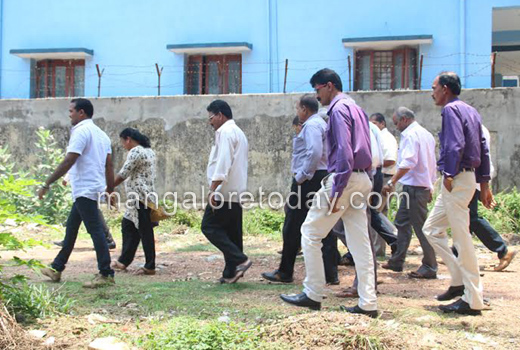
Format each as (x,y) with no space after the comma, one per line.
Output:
(294,218)
(133,235)
(223,228)
(85,210)
(483,230)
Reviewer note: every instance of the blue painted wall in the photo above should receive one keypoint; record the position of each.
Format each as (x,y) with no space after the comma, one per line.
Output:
(129,37)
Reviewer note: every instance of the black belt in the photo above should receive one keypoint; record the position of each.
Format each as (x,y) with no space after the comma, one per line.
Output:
(359,170)
(467,169)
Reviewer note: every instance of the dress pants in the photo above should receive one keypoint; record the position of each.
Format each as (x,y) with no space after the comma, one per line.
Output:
(451,210)
(318,224)
(132,236)
(223,228)
(412,213)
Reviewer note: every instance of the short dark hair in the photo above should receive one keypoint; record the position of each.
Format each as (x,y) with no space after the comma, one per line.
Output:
(323,76)
(85,105)
(310,101)
(220,106)
(134,134)
(379,118)
(452,81)
(296,121)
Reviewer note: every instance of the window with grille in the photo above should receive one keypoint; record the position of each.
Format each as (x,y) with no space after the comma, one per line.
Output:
(386,69)
(214,74)
(58,78)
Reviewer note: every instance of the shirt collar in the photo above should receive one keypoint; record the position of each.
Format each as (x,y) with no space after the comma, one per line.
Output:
(312,117)
(83,122)
(338,97)
(226,125)
(410,127)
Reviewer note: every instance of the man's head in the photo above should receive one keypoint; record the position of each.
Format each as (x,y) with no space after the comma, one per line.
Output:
(79,110)
(219,112)
(379,120)
(327,85)
(306,107)
(297,126)
(446,87)
(402,118)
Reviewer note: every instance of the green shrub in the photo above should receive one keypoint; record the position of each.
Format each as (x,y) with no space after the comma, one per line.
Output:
(505,217)
(31,301)
(263,222)
(189,218)
(190,334)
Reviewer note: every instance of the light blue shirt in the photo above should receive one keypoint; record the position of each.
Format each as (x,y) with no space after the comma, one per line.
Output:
(309,149)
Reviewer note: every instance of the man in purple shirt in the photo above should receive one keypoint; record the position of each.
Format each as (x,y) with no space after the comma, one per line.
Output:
(464,160)
(342,196)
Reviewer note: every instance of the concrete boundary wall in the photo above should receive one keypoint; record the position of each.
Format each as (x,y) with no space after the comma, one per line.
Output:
(182,138)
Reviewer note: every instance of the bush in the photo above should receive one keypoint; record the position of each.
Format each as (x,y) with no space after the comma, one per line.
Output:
(505,217)
(263,222)
(191,334)
(31,301)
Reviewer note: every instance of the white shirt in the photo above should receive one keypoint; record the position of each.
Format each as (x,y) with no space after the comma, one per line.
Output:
(389,151)
(87,175)
(375,146)
(228,162)
(417,153)
(487,138)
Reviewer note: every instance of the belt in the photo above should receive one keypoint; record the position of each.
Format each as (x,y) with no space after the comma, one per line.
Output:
(358,170)
(463,170)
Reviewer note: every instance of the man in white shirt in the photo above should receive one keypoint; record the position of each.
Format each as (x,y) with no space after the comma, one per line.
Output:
(389,145)
(416,172)
(227,177)
(89,164)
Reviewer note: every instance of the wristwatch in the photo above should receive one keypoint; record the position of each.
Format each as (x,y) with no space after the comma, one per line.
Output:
(390,183)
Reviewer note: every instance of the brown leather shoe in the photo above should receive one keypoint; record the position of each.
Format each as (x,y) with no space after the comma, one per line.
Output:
(350,292)
(506,260)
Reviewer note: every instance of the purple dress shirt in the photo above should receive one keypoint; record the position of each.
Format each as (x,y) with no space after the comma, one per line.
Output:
(462,142)
(348,141)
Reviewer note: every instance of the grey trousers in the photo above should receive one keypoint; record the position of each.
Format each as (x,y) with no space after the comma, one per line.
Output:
(412,214)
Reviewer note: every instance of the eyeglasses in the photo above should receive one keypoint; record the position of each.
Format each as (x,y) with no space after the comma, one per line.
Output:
(212,116)
(317,88)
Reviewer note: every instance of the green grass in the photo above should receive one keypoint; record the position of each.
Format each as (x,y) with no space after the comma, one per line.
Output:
(195,298)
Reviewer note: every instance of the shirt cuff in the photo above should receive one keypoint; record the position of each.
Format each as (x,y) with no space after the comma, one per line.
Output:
(300,177)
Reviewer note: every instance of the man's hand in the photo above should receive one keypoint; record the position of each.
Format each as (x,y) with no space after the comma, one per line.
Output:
(447,184)
(430,198)
(211,199)
(335,207)
(41,192)
(486,196)
(386,189)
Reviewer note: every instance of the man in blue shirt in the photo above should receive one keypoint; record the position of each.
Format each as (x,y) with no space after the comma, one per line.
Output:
(463,161)
(309,167)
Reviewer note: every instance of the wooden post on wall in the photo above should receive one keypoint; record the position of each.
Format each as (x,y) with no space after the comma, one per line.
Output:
(419,83)
(349,74)
(285,78)
(493,62)
(159,72)
(100,74)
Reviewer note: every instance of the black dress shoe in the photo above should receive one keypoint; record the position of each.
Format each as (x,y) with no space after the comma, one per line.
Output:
(392,267)
(333,282)
(276,276)
(111,245)
(451,293)
(58,243)
(357,310)
(301,300)
(460,307)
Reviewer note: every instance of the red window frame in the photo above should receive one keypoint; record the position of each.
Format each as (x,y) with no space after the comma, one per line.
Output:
(407,53)
(49,67)
(203,62)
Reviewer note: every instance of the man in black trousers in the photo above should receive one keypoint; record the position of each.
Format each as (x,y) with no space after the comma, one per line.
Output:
(309,164)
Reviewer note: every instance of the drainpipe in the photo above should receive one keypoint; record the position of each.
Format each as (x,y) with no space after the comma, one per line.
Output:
(1,42)
(462,14)
(269,50)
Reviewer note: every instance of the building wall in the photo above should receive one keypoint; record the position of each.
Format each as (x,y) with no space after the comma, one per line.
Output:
(182,138)
(128,38)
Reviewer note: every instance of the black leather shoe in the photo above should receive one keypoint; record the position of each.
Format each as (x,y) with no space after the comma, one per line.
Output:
(276,276)
(58,243)
(333,282)
(460,307)
(301,300)
(111,245)
(451,293)
(392,267)
(357,310)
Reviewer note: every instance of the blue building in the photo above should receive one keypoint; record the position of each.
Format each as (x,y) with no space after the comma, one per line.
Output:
(54,48)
